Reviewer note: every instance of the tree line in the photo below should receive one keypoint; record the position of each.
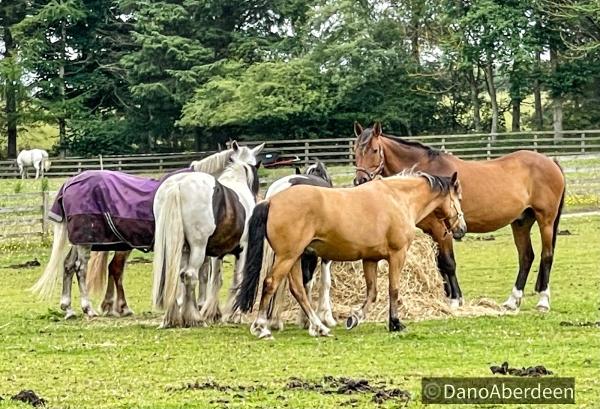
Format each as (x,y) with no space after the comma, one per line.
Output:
(124,76)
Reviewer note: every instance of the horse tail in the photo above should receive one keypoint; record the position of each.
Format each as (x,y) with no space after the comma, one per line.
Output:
(55,268)
(560,205)
(257,233)
(97,272)
(168,246)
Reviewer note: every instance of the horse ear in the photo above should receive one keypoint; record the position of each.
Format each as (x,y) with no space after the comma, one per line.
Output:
(454,179)
(377,129)
(235,146)
(358,129)
(258,149)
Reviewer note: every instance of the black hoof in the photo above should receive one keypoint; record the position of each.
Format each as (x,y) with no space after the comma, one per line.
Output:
(351,322)
(395,325)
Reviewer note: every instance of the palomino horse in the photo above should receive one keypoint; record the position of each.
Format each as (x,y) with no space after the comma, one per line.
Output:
(315,175)
(372,222)
(199,216)
(114,302)
(82,217)
(36,158)
(517,189)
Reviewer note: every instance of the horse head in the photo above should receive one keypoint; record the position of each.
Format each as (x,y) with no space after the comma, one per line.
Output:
(368,153)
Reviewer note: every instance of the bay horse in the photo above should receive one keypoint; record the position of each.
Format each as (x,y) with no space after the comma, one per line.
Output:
(372,222)
(70,255)
(36,158)
(315,175)
(199,216)
(519,189)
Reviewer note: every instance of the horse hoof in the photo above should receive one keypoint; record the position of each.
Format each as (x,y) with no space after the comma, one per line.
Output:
(328,320)
(266,335)
(454,303)
(352,322)
(70,315)
(396,325)
(276,325)
(542,308)
(127,312)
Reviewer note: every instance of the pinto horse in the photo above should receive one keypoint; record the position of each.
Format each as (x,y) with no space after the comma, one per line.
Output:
(519,189)
(372,222)
(199,216)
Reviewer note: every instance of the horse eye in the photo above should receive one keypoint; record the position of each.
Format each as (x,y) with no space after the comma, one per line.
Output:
(375,150)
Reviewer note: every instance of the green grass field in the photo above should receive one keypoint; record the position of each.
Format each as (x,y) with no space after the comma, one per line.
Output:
(127,363)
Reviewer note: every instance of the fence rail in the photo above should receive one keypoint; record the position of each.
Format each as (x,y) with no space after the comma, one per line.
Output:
(339,151)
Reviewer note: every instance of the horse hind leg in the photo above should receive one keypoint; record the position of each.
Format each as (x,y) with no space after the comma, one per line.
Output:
(271,283)
(81,262)
(203,284)
(316,327)
(190,315)
(308,263)
(211,312)
(542,285)
(116,269)
(324,310)
(521,229)
(69,271)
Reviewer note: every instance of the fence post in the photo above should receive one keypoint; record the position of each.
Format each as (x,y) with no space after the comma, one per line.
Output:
(120,163)
(160,167)
(583,142)
(306,153)
(489,147)
(444,144)
(535,142)
(101,163)
(350,153)
(78,167)
(44,213)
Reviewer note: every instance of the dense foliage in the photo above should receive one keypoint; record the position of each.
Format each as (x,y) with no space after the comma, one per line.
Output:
(118,76)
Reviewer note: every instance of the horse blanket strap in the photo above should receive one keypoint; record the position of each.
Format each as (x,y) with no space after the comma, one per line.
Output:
(108,210)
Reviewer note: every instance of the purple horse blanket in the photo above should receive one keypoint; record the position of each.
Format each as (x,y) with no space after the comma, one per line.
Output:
(108,210)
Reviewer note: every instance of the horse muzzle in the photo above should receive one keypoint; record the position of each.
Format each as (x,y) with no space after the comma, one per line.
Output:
(359,180)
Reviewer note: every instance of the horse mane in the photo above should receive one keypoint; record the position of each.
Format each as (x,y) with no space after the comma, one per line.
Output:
(441,184)
(367,134)
(252,179)
(214,163)
(431,152)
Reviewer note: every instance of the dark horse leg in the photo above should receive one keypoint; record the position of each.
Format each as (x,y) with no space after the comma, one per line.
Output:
(521,229)
(548,228)
(445,259)
(308,261)
(116,270)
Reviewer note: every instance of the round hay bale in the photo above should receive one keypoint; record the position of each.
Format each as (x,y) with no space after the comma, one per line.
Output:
(421,293)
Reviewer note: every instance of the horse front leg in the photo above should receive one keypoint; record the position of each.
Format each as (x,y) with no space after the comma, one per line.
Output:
(396,263)
(370,273)
(230,316)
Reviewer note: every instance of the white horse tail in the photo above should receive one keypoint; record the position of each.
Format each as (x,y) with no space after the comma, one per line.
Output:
(55,267)
(168,246)
(97,272)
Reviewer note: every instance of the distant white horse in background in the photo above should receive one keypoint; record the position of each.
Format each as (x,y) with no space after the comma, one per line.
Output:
(38,158)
